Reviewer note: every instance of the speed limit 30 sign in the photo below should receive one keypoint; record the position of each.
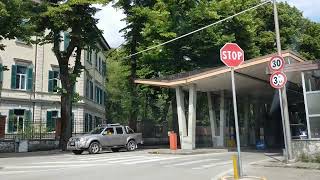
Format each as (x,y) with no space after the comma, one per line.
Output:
(276,63)
(278,80)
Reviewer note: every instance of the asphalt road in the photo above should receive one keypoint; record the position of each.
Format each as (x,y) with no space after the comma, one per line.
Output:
(138,165)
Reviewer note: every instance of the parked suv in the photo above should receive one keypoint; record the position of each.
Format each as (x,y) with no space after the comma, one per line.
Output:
(113,136)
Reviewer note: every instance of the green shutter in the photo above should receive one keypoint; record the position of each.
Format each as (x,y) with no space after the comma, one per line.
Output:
(50,81)
(1,73)
(50,122)
(10,122)
(27,118)
(13,76)
(30,79)
(66,41)
(90,122)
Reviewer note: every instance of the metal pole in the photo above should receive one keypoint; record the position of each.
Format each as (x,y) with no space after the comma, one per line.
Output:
(285,110)
(283,127)
(236,120)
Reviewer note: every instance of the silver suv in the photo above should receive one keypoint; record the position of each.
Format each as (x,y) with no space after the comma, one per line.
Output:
(113,136)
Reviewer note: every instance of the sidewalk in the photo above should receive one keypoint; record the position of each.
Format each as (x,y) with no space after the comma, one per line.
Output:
(275,169)
(187,152)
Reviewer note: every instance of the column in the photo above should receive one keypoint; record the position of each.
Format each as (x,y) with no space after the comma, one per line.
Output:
(191,143)
(222,119)
(246,122)
(181,116)
(212,117)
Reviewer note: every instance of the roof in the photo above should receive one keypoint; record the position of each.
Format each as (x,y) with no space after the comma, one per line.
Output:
(181,79)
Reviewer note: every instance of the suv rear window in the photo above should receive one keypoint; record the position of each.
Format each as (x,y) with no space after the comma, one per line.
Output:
(119,130)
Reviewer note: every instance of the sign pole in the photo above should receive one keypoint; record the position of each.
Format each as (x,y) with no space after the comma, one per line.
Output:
(282,92)
(236,120)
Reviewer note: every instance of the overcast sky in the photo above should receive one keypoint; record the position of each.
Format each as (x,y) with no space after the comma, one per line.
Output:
(110,19)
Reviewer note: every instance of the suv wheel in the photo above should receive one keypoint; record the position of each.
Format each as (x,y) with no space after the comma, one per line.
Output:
(77,152)
(94,148)
(131,145)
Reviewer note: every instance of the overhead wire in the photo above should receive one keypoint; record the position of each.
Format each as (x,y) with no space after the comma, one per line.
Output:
(200,29)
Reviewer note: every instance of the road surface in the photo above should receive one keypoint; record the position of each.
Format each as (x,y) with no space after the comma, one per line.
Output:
(138,165)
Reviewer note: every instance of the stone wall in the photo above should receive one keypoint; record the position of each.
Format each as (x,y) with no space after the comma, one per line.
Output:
(7,146)
(307,147)
(28,145)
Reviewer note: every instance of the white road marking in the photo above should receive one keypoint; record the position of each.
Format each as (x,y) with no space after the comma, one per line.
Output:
(191,162)
(150,160)
(212,165)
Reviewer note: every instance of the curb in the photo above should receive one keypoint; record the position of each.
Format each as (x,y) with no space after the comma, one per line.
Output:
(243,178)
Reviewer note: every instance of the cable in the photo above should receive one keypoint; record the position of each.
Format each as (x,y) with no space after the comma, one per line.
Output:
(182,36)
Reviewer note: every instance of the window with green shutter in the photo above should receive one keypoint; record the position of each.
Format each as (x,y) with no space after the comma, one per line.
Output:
(72,122)
(52,117)
(30,79)
(66,40)
(13,76)
(89,55)
(21,77)
(53,81)
(1,73)
(10,122)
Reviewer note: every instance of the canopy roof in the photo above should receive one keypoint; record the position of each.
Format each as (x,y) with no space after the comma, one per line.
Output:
(251,77)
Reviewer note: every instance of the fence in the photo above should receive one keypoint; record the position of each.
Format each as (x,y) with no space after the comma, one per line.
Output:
(40,130)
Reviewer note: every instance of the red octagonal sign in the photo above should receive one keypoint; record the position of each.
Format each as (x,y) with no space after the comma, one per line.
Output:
(231,55)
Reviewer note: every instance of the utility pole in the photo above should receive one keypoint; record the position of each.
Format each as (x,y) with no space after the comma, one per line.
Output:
(282,91)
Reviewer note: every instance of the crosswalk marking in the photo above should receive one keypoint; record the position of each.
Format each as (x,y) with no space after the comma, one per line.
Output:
(212,165)
(150,160)
(192,162)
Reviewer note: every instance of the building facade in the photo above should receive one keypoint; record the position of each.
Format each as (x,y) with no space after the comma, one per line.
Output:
(29,88)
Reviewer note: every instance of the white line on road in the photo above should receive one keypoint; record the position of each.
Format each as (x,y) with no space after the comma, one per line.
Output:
(212,165)
(192,162)
(151,160)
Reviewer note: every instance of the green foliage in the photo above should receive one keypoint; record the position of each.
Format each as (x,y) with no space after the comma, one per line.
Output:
(14,16)
(151,22)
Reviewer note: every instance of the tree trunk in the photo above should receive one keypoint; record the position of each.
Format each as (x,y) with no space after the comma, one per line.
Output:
(66,111)
(132,86)
(66,107)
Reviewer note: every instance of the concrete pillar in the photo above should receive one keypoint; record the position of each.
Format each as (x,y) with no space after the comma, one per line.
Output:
(222,119)
(212,117)
(246,122)
(181,116)
(191,143)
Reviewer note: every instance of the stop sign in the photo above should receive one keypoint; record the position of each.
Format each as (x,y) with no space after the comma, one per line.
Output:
(231,55)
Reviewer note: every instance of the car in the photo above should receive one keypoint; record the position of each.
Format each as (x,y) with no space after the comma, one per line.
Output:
(112,136)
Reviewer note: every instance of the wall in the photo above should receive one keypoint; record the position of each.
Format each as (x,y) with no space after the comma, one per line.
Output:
(307,147)
(7,146)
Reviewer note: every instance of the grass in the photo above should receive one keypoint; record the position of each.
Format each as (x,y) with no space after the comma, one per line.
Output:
(307,158)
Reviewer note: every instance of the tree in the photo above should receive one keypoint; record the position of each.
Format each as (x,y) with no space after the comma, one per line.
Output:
(72,23)
(162,20)
(14,15)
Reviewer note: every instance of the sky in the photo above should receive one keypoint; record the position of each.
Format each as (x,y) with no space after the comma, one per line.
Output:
(110,19)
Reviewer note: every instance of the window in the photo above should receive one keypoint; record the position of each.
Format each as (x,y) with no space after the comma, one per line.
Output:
(96,60)
(52,117)
(19,120)
(99,96)
(98,121)
(66,37)
(89,89)
(100,65)
(89,55)
(1,74)
(109,131)
(119,130)
(87,122)
(104,68)
(53,81)
(21,77)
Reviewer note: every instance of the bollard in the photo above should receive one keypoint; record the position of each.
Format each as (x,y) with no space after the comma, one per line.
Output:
(235,167)
(173,140)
